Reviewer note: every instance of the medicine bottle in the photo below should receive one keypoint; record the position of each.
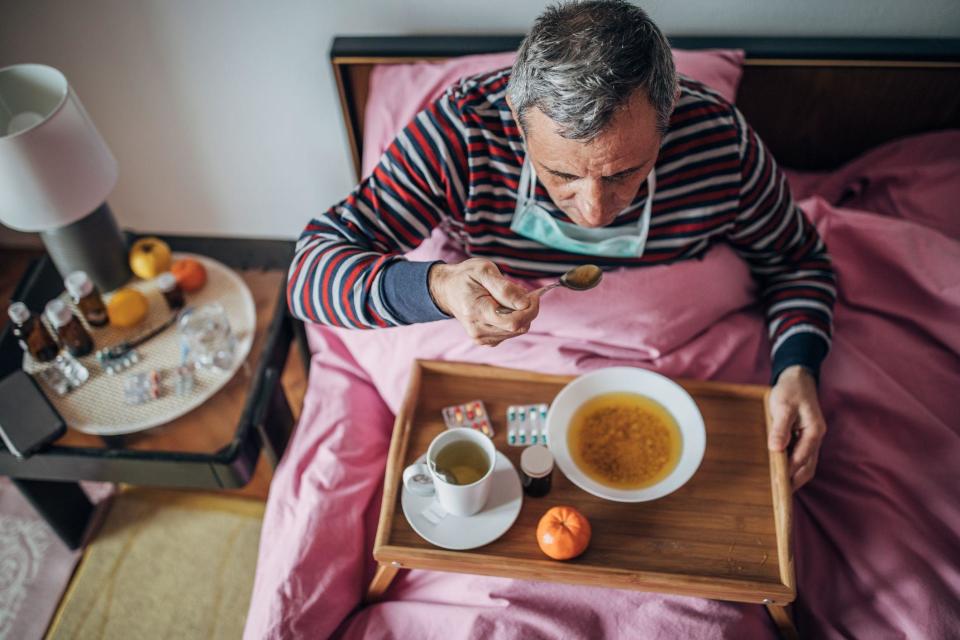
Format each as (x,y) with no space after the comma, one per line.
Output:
(73,336)
(32,334)
(171,291)
(87,298)
(536,471)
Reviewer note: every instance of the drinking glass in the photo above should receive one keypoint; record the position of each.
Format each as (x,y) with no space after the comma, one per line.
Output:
(206,335)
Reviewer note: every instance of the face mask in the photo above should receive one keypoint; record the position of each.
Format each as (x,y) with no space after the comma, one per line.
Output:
(533,222)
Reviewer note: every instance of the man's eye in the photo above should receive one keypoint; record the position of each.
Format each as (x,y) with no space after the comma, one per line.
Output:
(615,179)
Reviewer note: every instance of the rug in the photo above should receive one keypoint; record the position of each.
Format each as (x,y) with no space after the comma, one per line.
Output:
(165,564)
(35,566)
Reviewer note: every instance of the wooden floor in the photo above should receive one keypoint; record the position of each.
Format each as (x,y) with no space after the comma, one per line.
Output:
(13,263)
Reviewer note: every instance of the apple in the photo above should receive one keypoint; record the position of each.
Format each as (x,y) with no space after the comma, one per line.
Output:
(149,257)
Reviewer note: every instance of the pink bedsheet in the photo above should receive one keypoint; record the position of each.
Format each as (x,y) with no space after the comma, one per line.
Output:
(877,531)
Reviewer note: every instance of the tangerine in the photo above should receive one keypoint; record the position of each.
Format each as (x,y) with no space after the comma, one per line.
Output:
(563,533)
(190,274)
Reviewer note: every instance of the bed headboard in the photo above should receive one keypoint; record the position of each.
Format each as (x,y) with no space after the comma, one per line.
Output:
(816,102)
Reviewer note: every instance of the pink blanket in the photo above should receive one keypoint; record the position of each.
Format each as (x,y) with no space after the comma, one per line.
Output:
(877,531)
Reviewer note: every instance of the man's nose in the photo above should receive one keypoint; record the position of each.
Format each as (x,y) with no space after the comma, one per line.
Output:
(592,206)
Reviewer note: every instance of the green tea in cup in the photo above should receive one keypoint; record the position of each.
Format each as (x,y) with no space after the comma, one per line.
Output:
(458,469)
(464,461)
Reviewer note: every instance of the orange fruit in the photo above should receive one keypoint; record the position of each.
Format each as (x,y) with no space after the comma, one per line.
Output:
(127,308)
(190,274)
(563,533)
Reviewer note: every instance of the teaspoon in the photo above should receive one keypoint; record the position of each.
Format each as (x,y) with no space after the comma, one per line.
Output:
(581,278)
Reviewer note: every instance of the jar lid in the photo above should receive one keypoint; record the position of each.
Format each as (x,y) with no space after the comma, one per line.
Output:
(166,282)
(58,313)
(78,284)
(18,312)
(536,461)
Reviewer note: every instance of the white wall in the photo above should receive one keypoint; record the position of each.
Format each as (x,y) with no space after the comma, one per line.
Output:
(223,114)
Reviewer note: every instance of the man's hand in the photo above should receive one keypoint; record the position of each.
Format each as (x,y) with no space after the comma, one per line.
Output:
(795,412)
(471,292)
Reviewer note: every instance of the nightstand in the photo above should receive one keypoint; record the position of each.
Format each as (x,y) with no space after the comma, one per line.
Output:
(215,446)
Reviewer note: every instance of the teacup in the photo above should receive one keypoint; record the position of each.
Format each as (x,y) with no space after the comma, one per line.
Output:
(458,468)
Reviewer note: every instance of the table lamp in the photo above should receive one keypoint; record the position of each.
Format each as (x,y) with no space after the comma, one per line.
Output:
(55,174)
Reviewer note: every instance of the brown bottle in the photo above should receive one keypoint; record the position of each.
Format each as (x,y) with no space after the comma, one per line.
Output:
(32,334)
(87,298)
(171,291)
(536,470)
(73,336)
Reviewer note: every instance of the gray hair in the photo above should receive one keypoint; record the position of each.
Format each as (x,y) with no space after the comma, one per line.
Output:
(582,61)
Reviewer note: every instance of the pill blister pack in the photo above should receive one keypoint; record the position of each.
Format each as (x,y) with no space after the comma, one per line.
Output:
(65,375)
(139,388)
(472,415)
(114,365)
(527,424)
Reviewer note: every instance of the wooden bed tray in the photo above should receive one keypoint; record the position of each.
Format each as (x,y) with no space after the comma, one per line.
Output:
(724,535)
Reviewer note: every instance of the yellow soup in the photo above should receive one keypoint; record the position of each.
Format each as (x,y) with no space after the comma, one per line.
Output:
(624,440)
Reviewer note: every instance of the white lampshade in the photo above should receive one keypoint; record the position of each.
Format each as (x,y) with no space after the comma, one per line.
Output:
(54,166)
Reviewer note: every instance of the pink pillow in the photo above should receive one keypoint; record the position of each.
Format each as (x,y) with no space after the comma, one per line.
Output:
(398,91)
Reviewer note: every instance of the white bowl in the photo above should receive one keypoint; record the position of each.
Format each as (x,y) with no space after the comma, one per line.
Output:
(628,379)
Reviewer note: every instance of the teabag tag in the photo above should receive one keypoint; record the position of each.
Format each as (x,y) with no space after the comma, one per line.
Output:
(527,424)
(472,415)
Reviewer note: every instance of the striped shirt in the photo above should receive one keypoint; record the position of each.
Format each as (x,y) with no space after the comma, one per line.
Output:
(457,167)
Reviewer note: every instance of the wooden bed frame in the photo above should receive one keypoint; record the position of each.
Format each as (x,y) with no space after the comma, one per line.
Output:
(815,102)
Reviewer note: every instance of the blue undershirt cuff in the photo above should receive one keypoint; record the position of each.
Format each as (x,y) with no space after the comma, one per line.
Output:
(805,349)
(406,293)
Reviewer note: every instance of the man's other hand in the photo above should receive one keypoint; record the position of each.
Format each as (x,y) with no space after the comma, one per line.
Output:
(471,292)
(796,416)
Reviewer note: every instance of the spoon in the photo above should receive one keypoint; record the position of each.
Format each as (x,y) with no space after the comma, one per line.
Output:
(117,351)
(581,278)
(446,476)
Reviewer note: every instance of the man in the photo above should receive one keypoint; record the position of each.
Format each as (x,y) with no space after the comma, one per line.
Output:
(590,150)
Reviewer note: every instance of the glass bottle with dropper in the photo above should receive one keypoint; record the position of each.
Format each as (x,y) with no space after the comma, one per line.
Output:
(87,298)
(74,337)
(32,334)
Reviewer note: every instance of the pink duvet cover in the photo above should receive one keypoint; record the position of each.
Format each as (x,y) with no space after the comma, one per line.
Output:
(877,531)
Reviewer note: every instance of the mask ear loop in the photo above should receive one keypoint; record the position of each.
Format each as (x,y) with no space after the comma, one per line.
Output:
(527,189)
(647,210)
(533,182)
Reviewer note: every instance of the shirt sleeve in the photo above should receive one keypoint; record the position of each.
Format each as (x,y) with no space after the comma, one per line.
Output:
(348,269)
(786,256)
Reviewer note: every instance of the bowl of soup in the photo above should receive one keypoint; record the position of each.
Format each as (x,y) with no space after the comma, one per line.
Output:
(626,434)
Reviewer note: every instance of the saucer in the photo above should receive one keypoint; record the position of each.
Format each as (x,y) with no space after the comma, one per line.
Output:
(446,530)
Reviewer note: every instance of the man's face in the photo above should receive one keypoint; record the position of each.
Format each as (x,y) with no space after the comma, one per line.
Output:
(591,182)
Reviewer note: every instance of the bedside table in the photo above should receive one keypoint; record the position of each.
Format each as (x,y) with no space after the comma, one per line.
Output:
(215,446)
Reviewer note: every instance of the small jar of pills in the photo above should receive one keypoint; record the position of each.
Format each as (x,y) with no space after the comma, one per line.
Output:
(536,470)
